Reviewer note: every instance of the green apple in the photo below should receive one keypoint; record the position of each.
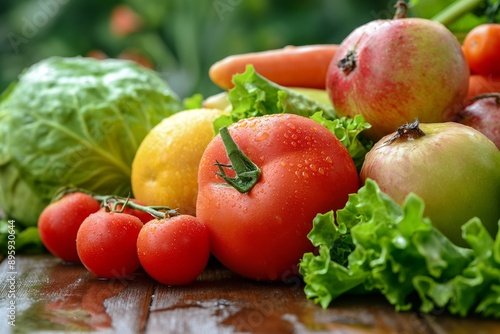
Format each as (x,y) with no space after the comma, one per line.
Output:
(454,168)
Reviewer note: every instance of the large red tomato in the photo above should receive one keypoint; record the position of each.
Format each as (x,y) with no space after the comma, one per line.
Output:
(304,170)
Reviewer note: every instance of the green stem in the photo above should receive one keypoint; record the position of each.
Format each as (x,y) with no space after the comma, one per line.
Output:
(401,10)
(159,212)
(247,172)
(154,211)
(456,10)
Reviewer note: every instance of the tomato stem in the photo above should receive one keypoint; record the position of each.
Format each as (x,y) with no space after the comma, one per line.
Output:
(247,172)
(159,212)
(156,211)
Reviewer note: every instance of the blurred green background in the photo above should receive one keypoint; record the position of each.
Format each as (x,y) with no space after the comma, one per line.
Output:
(181,38)
(178,38)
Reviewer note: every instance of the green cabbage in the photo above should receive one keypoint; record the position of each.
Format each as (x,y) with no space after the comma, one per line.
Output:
(75,121)
(16,197)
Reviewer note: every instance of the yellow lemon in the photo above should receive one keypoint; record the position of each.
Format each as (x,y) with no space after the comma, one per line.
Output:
(165,167)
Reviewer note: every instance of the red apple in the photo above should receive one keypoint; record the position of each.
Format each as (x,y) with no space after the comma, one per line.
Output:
(394,71)
(483,114)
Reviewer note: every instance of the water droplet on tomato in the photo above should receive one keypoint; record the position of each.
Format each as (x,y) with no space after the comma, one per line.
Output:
(261,136)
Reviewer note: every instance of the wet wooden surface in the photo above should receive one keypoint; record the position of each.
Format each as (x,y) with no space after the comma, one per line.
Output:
(51,297)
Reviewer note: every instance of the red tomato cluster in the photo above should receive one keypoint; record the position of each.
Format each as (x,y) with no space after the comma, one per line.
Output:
(261,183)
(481,48)
(114,244)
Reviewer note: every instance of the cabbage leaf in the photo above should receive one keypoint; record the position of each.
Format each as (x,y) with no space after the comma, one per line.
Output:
(75,121)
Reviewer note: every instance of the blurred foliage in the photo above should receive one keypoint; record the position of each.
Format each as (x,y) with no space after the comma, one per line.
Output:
(460,16)
(178,38)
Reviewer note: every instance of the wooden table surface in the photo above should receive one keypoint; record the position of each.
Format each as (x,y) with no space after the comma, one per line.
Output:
(51,297)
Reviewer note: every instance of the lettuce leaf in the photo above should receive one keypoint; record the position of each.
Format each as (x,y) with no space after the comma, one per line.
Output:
(376,245)
(347,130)
(193,102)
(254,95)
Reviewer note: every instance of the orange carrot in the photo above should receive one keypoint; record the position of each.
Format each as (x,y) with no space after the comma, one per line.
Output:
(292,66)
(480,84)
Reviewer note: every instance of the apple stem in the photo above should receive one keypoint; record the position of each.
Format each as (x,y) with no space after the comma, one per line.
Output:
(401,10)
(496,96)
(406,132)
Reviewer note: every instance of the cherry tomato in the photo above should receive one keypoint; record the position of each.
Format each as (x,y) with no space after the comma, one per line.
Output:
(142,215)
(481,47)
(107,244)
(174,251)
(305,170)
(59,222)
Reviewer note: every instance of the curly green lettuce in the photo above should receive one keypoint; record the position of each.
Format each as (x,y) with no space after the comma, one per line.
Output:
(253,95)
(348,130)
(376,245)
